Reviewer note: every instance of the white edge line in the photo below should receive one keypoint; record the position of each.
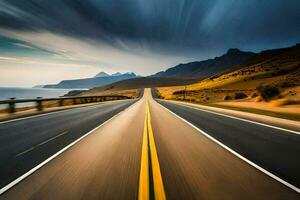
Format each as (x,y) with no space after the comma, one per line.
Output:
(237,154)
(16,181)
(50,139)
(51,112)
(241,119)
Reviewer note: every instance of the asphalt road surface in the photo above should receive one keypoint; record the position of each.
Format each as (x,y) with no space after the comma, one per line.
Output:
(26,143)
(275,150)
(178,161)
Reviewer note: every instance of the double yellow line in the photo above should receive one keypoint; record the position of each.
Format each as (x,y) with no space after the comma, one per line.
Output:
(146,160)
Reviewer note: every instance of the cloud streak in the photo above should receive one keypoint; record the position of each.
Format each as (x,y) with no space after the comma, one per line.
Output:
(156,24)
(144,36)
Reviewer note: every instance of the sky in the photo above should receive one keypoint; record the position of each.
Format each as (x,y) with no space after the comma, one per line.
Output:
(46,41)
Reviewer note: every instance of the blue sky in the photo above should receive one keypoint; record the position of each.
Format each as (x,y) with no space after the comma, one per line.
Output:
(45,41)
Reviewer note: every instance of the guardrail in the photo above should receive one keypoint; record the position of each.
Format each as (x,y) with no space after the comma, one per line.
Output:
(76,100)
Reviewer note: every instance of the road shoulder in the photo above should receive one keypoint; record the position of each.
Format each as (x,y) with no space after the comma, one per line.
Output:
(205,169)
(273,121)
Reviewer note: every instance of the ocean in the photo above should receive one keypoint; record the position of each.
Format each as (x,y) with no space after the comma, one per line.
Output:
(28,93)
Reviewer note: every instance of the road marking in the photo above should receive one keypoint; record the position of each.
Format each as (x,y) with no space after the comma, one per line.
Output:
(235,153)
(148,142)
(144,171)
(23,152)
(19,179)
(40,144)
(54,112)
(241,119)
(159,191)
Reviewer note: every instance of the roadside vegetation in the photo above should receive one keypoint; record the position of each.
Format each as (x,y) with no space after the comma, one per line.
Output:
(264,84)
(133,93)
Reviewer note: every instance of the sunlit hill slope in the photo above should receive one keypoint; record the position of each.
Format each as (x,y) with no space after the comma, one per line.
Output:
(279,69)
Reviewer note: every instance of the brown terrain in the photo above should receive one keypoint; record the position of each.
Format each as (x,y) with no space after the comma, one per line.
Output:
(133,93)
(140,83)
(267,83)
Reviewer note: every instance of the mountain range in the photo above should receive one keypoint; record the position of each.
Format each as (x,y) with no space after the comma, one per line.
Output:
(180,74)
(231,70)
(145,82)
(269,76)
(100,79)
(206,68)
(104,74)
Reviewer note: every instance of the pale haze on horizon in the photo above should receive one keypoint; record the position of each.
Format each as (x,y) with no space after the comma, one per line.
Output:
(44,42)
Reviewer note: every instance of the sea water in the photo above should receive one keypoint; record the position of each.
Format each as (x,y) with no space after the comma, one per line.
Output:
(29,93)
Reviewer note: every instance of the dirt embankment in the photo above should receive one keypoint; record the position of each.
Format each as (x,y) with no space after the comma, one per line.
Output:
(134,93)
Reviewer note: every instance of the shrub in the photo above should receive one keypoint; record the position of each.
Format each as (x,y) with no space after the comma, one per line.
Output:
(179,92)
(267,92)
(240,95)
(254,95)
(286,85)
(285,101)
(258,99)
(227,97)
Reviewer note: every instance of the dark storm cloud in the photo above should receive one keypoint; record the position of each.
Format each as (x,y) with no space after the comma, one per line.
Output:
(168,26)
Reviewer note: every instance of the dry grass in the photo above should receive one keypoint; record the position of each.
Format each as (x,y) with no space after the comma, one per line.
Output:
(134,93)
(250,77)
(282,72)
(285,102)
(203,96)
(167,92)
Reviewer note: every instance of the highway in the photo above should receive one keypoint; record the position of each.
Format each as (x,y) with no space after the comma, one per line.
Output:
(147,151)
(26,143)
(275,150)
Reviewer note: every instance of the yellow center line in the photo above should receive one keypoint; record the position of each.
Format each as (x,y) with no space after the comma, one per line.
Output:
(159,192)
(144,171)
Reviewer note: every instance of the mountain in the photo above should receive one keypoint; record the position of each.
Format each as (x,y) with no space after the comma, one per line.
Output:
(92,82)
(101,74)
(277,67)
(268,75)
(268,60)
(116,74)
(145,82)
(206,68)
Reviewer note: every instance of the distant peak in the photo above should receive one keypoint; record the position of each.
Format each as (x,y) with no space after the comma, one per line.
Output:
(101,74)
(120,74)
(131,73)
(233,50)
(116,74)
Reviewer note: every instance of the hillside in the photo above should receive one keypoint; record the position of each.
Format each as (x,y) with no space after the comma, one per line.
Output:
(279,66)
(268,83)
(143,82)
(206,68)
(99,80)
(269,79)
(102,74)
